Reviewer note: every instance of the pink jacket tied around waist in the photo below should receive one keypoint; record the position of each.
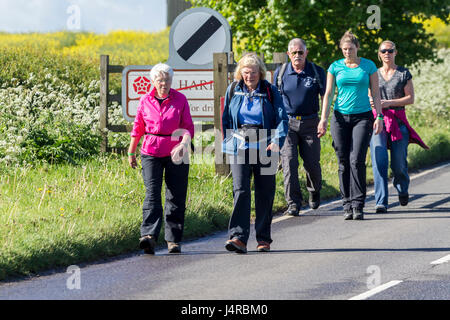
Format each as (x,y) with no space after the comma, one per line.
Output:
(159,123)
(392,126)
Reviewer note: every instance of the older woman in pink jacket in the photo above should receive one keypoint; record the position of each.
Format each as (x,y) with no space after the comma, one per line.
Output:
(163,118)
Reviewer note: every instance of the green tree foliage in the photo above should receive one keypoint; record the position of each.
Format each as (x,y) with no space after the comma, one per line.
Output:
(266,26)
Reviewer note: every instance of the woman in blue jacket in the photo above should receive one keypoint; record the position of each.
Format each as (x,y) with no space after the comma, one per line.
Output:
(255,125)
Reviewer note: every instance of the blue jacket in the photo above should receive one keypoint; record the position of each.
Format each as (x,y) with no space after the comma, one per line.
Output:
(274,116)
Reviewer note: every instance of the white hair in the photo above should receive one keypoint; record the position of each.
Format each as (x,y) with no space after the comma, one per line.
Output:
(295,41)
(161,69)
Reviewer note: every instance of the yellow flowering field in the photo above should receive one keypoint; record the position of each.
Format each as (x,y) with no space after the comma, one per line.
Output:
(124,47)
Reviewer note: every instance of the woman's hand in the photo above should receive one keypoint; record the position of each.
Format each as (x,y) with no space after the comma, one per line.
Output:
(178,153)
(273,147)
(132,161)
(378,125)
(322,128)
(384,104)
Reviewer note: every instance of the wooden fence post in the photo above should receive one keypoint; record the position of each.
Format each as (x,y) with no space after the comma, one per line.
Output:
(279,57)
(105,99)
(220,65)
(104,89)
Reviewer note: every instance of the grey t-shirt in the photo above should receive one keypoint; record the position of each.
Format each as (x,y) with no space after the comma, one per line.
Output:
(394,88)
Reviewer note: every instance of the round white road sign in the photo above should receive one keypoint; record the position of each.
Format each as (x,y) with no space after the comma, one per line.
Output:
(195,35)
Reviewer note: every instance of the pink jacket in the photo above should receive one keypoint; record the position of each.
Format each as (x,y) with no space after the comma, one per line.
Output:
(392,126)
(158,123)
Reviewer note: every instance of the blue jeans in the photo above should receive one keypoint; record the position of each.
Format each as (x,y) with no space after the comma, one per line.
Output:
(380,163)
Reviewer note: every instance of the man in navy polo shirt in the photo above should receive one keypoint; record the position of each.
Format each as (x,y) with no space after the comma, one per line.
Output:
(300,85)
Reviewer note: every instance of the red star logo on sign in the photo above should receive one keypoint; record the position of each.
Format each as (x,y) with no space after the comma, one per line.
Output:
(141,85)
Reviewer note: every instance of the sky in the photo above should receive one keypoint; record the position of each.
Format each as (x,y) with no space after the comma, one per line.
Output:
(99,16)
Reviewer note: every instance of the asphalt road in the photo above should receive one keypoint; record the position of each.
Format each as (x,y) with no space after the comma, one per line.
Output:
(403,254)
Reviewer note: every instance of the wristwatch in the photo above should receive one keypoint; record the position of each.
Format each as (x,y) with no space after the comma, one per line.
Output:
(380,116)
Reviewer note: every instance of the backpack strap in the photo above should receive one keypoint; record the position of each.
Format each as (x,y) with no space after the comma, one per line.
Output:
(231,92)
(280,77)
(316,76)
(269,96)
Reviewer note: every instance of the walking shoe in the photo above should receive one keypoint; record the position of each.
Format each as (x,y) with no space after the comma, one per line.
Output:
(348,214)
(173,247)
(292,211)
(314,200)
(403,199)
(236,245)
(358,214)
(379,208)
(147,243)
(263,246)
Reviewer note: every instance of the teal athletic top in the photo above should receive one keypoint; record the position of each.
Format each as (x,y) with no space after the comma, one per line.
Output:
(353,85)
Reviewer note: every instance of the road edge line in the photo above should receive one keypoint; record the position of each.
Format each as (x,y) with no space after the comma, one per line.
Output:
(376,290)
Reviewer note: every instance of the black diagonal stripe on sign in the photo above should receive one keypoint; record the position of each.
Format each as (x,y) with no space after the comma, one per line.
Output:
(199,38)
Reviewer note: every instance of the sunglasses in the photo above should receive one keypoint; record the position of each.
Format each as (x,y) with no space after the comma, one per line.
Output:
(299,52)
(387,50)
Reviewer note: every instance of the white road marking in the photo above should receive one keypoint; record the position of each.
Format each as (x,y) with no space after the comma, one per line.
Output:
(442,260)
(376,290)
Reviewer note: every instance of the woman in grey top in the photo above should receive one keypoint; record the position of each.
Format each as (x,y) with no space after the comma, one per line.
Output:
(396,91)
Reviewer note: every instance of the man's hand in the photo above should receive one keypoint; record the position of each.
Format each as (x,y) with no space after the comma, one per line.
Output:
(322,128)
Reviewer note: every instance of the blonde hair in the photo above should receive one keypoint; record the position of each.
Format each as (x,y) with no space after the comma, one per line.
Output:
(390,42)
(250,60)
(349,37)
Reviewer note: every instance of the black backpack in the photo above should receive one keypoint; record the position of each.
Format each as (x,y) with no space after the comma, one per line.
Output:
(283,69)
(233,87)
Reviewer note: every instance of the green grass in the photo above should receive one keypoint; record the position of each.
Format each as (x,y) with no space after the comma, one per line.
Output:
(59,215)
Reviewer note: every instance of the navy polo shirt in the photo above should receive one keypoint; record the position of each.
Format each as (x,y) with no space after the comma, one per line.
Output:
(301,91)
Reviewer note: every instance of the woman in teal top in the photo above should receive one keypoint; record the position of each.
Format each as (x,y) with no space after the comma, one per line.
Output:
(352,123)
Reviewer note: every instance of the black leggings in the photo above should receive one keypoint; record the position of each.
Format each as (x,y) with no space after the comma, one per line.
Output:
(351,135)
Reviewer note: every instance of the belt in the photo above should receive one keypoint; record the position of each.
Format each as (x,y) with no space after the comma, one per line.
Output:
(158,135)
(311,116)
(396,108)
(246,126)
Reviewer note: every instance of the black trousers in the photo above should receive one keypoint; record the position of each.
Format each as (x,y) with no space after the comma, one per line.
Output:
(264,183)
(351,135)
(154,169)
(301,139)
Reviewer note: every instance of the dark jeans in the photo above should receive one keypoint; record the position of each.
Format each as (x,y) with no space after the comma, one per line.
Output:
(351,137)
(301,139)
(176,179)
(239,226)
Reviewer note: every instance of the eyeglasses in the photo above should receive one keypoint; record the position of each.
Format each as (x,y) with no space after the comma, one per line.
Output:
(299,53)
(161,80)
(387,50)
